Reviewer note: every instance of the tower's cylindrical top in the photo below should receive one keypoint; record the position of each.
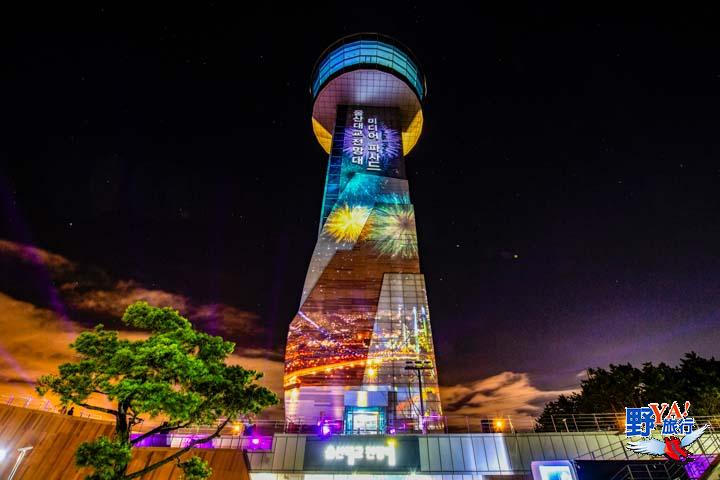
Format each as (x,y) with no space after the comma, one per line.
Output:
(370,51)
(368,69)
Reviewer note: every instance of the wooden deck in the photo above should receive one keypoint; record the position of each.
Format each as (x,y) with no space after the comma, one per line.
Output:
(55,438)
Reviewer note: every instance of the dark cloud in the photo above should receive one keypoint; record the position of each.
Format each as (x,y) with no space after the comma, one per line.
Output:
(90,295)
(35,341)
(505,394)
(35,256)
(37,333)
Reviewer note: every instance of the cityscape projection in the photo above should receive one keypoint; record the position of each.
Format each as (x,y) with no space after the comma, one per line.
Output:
(364,311)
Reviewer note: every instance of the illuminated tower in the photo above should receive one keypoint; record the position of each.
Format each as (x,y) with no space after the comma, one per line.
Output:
(364,313)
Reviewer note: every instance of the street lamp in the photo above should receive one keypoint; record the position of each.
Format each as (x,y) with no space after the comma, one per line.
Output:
(23,451)
(418,366)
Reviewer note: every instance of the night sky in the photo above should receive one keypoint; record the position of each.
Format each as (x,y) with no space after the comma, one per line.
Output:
(566,184)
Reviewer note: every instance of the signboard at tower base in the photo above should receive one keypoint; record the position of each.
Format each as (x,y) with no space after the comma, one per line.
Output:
(371,453)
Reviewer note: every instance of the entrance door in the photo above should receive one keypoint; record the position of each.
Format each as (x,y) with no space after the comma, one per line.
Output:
(365,423)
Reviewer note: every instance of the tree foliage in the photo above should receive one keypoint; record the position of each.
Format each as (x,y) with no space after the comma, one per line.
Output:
(195,469)
(177,374)
(695,379)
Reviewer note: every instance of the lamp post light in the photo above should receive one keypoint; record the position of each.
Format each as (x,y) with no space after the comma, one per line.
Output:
(418,366)
(23,451)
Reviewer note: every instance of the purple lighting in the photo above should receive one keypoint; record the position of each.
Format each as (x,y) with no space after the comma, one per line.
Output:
(187,440)
(157,440)
(699,466)
(258,443)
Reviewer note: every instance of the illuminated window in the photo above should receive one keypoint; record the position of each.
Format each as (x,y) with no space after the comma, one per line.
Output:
(369,52)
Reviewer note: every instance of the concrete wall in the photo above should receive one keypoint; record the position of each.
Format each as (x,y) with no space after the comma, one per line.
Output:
(476,454)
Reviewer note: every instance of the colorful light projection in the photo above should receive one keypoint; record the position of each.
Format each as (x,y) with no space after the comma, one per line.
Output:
(345,223)
(358,52)
(371,143)
(389,227)
(363,160)
(368,69)
(364,311)
(393,230)
(402,333)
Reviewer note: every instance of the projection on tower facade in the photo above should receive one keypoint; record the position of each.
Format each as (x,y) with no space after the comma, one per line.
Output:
(363,312)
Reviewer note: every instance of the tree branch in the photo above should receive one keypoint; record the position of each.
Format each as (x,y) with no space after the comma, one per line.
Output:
(99,409)
(177,454)
(162,427)
(134,419)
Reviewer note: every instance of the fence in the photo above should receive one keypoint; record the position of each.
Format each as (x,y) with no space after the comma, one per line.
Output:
(592,422)
(602,422)
(36,403)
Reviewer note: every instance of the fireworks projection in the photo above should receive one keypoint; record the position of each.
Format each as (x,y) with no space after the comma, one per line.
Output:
(363,313)
(345,223)
(386,148)
(393,230)
(391,227)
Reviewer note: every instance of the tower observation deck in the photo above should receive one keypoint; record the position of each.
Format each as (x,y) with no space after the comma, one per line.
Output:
(360,354)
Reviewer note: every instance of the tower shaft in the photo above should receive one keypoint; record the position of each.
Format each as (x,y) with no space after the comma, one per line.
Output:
(363,317)
(364,310)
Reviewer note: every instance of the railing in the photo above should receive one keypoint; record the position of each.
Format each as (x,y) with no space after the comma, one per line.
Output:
(228,440)
(594,422)
(437,424)
(706,447)
(652,471)
(37,403)
(441,424)
(434,424)
(603,422)
(612,451)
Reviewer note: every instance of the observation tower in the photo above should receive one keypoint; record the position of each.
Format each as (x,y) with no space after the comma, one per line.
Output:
(359,355)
